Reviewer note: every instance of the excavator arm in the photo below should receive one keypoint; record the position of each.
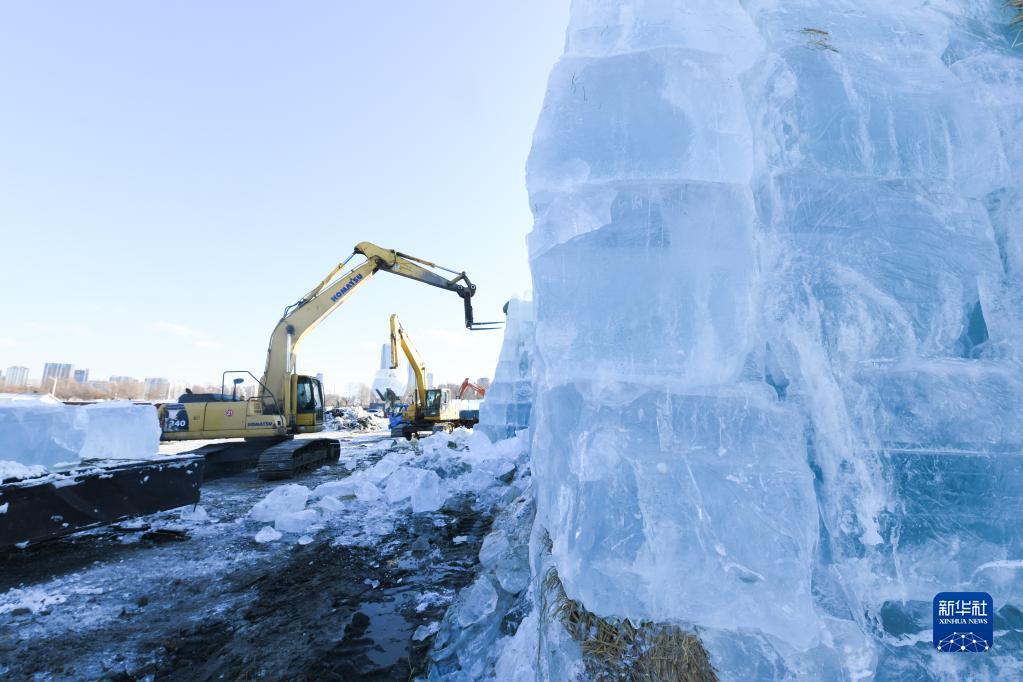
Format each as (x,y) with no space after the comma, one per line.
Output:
(302,316)
(482,392)
(400,339)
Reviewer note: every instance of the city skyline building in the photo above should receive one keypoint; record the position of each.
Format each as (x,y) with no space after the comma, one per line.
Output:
(56,372)
(16,375)
(155,388)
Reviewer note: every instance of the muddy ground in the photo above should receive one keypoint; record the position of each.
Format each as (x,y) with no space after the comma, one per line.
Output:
(162,598)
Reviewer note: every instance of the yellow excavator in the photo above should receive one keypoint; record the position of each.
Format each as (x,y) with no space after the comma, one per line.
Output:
(287,402)
(428,409)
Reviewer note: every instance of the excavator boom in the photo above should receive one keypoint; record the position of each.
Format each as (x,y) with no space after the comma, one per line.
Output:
(302,317)
(400,339)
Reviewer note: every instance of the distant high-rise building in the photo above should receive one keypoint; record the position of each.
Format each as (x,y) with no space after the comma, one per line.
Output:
(155,388)
(126,388)
(16,376)
(81,376)
(61,371)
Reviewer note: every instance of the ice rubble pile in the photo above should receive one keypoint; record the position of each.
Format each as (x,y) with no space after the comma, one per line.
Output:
(411,477)
(510,397)
(38,432)
(479,624)
(351,419)
(777,276)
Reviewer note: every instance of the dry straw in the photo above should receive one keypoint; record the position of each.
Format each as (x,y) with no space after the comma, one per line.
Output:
(1018,6)
(1016,20)
(618,650)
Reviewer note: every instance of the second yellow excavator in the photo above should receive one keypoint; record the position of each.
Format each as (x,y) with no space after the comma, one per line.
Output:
(427,409)
(290,403)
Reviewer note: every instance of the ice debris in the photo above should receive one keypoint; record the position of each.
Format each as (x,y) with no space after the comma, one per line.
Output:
(290,497)
(296,521)
(476,627)
(267,534)
(195,514)
(29,599)
(418,477)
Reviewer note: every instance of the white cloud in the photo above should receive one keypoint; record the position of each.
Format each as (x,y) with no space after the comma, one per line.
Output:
(66,329)
(198,337)
(175,329)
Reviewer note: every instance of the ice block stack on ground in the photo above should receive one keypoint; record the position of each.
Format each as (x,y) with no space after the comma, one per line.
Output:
(509,398)
(39,431)
(777,264)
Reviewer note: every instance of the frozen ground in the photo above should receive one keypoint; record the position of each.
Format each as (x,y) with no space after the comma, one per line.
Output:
(191,594)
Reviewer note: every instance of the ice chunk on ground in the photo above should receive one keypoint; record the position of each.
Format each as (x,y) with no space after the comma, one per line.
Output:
(267,534)
(494,545)
(424,631)
(366,491)
(296,521)
(423,486)
(476,602)
(330,504)
(119,429)
(805,324)
(430,494)
(195,513)
(40,431)
(290,497)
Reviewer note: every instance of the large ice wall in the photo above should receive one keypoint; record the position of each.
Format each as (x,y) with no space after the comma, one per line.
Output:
(509,399)
(777,269)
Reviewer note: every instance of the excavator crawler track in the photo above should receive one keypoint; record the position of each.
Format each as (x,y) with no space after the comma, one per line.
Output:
(285,459)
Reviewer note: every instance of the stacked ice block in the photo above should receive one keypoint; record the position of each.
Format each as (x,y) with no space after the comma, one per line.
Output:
(777,269)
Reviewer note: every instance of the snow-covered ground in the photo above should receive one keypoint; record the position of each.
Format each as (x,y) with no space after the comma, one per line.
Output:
(347,568)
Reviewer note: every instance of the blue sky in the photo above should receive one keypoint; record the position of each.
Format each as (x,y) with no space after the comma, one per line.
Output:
(173,174)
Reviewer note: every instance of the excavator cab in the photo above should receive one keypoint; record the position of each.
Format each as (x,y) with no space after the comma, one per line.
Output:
(437,400)
(308,392)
